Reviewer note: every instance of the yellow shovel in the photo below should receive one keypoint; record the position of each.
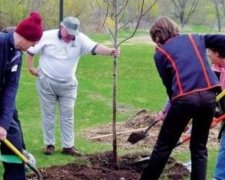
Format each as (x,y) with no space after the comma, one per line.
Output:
(22,157)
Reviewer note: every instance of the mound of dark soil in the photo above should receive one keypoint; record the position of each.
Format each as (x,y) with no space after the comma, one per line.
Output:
(100,167)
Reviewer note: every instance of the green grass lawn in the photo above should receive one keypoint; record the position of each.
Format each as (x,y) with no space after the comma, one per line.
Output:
(139,87)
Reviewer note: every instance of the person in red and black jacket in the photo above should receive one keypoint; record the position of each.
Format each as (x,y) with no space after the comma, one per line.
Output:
(181,61)
(27,33)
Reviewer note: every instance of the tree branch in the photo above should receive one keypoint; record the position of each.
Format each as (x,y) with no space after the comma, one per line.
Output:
(142,13)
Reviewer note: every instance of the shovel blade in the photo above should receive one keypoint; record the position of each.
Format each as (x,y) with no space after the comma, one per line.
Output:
(135,137)
(10,159)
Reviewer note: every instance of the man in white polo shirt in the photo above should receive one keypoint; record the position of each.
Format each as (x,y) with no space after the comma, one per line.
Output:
(60,51)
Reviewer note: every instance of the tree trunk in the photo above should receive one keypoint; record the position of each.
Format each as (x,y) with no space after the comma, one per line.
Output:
(115,7)
(217,15)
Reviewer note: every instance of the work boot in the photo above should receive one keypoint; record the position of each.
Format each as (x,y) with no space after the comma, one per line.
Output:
(49,150)
(71,151)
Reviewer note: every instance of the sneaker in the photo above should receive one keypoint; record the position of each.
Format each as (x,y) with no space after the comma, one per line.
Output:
(49,150)
(71,151)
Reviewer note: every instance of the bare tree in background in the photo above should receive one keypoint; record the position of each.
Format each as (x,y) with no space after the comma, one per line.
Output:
(33,5)
(223,6)
(183,9)
(117,16)
(216,3)
(220,13)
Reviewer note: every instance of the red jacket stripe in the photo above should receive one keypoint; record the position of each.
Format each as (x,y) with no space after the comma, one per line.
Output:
(200,59)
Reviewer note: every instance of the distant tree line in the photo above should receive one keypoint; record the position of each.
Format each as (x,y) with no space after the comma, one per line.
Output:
(210,13)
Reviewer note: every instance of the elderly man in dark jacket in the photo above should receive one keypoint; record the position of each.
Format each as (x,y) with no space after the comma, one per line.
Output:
(27,33)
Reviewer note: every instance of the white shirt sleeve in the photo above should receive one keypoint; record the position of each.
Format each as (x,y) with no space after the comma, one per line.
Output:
(87,44)
(38,47)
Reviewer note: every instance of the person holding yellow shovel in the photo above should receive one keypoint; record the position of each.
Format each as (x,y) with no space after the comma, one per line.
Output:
(27,33)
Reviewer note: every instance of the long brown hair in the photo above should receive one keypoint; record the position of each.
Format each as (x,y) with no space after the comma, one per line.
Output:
(163,29)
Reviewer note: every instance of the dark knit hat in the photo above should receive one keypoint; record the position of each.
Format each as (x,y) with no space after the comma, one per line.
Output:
(31,27)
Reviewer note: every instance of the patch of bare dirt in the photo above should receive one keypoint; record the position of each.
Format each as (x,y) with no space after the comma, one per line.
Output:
(101,167)
(136,124)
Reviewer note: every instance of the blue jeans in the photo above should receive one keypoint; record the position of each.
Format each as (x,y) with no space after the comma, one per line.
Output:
(219,173)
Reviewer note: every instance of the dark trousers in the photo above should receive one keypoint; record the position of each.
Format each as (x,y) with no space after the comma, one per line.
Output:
(200,108)
(13,171)
(16,118)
